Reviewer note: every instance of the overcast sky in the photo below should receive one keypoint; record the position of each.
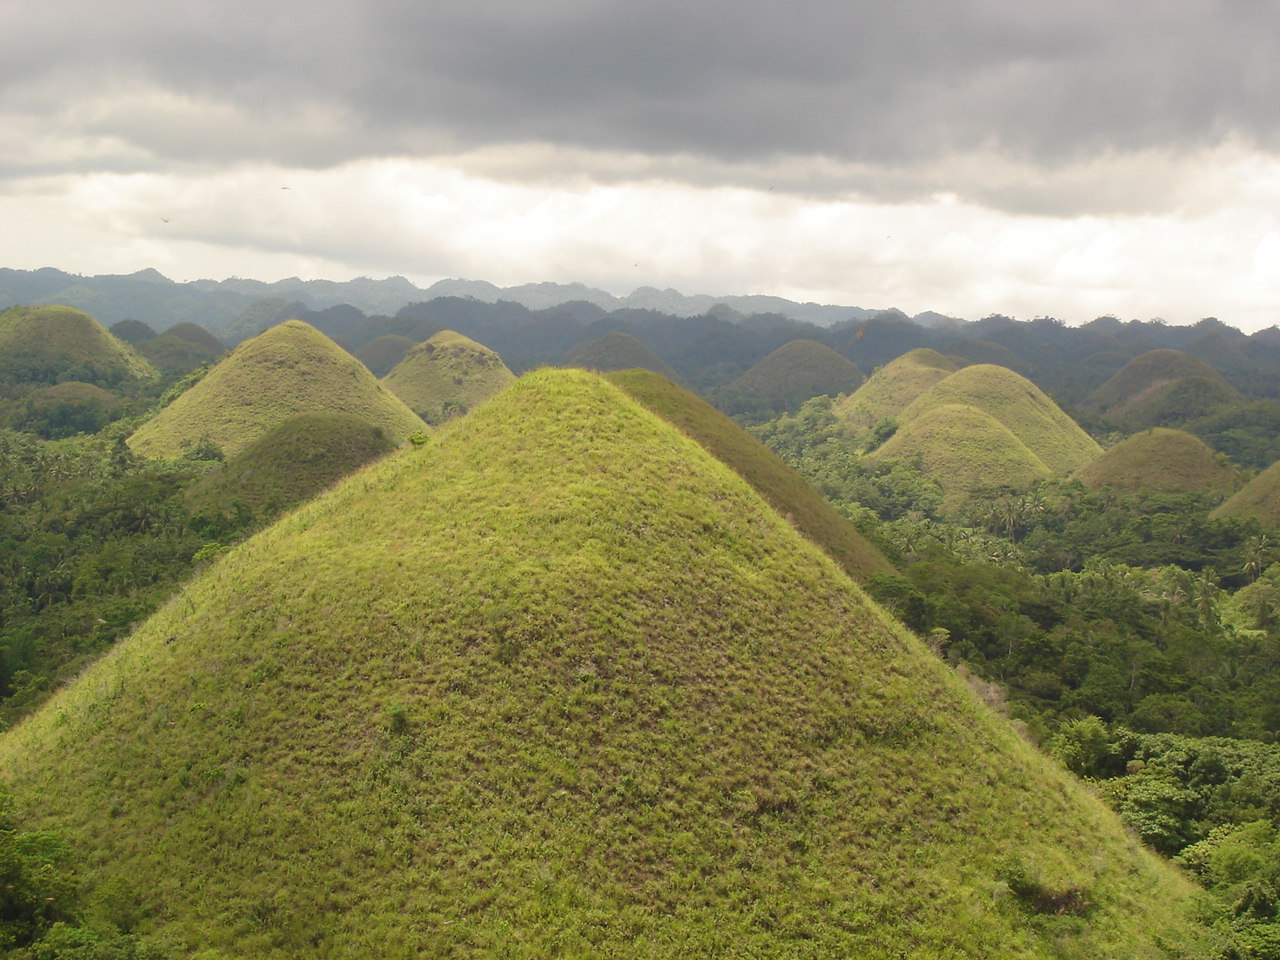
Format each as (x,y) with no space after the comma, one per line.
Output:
(966,156)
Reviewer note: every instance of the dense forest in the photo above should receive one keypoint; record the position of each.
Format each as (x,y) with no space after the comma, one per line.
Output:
(1128,627)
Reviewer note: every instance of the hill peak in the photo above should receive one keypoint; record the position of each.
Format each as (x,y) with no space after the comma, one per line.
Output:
(446,375)
(559,681)
(289,369)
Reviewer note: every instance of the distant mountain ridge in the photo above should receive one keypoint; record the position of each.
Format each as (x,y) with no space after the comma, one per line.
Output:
(151,297)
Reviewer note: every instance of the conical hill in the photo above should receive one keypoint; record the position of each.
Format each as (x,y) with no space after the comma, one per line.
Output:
(797,371)
(1161,387)
(1160,460)
(617,351)
(1055,439)
(891,388)
(781,485)
(45,345)
(1259,499)
(289,464)
(968,451)
(447,375)
(559,683)
(290,369)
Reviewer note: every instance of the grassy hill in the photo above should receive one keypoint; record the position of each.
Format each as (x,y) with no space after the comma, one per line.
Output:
(559,683)
(617,351)
(290,369)
(1259,498)
(289,464)
(45,345)
(797,371)
(1055,439)
(1161,388)
(383,353)
(891,388)
(447,375)
(780,484)
(1160,460)
(966,450)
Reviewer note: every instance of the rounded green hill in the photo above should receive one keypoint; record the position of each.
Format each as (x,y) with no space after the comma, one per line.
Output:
(1160,460)
(1161,388)
(447,375)
(798,371)
(1259,499)
(290,369)
(559,683)
(1055,439)
(891,388)
(45,345)
(966,450)
(288,465)
(617,351)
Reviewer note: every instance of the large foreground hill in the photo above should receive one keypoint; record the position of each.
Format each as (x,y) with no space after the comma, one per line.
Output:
(559,683)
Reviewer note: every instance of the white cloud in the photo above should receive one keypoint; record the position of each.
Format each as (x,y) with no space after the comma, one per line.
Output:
(1215,252)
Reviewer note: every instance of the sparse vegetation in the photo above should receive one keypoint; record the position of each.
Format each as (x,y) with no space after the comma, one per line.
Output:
(558,681)
(290,369)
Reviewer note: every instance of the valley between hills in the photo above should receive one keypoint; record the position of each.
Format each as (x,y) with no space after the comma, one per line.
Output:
(481,628)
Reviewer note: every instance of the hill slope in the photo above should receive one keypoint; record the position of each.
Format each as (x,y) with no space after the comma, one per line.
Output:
(891,388)
(289,464)
(1055,439)
(781,485)
(797,371)
(1159,460)
(1161,387)
(446,375)
(43,345)
(559,683)
(1259,498)
(966,450)
(290,369)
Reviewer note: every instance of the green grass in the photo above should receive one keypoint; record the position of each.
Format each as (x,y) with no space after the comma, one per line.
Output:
(966,450)
(559,683)
(289,465)
(1160,460)
(290,369)
(891,388)
(1146,392)
(383,353)
(617,351)
(1055,439)
(780,484)
(1259,498)
(447,375)
(49,344)
(797,371)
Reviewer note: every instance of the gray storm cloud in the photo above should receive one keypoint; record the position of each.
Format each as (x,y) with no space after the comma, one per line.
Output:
(896,84)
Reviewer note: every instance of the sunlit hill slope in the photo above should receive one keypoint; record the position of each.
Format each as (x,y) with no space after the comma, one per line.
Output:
(558,682)
(290,369)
